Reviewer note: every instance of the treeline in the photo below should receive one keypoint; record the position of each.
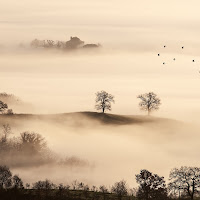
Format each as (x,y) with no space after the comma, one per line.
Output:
(73,43)
(184,184)
(30,149)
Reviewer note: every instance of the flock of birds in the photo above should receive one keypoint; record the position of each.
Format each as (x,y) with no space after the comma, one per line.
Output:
(174,59)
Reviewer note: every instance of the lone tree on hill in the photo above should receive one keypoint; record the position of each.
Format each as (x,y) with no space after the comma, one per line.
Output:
(103,101)
(3,106)
(186,179)
(149,102)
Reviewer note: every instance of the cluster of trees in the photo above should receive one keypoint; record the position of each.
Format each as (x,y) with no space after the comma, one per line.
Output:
(184,184)
(30,149)
(73,43)
(149,101)
(4,109)
(4,106)
(7,180)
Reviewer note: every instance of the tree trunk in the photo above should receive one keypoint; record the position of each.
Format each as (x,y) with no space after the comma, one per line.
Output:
(103,110)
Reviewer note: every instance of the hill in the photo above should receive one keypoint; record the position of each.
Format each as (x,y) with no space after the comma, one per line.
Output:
(86,119)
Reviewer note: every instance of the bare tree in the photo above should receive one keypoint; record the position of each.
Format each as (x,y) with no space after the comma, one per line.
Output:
(149,102)
(3,106)
(50,43)
(120,188)
(186,179)
(32,143)
(75,184)
(5,145)
(103,101)
(45,186)
(6,132)
(104,191)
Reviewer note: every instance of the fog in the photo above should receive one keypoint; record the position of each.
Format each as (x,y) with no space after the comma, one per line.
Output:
(131,33)
(68,83)
(107,152)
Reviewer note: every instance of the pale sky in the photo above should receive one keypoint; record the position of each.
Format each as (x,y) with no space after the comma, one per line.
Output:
(22,20)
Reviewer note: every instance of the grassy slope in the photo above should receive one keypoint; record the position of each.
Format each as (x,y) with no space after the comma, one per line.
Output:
(85,118)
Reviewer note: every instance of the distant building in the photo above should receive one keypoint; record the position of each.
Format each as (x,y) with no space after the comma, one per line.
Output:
(74,43)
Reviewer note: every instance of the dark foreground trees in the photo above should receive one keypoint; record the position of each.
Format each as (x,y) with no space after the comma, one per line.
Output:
(5,177)
(104,191)
(151,186)
(7,180)
(149,102)
(120,188)
(103,101)
(186,180)
(12,189)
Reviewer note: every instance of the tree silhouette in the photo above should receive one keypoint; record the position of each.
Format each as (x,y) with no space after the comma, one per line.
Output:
(5,177)
(17,182)
(103,190)
(46,186)
(32,143)
(103,101)
(3,106)
(120,188)
(6,132)
(149,102)
(151,186)
(9,112)
(186,179)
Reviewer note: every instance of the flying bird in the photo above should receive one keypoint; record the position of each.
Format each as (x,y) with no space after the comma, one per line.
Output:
(174,59)
(163,63)
(193,60)
(158,54)
(164,46)
(182,47)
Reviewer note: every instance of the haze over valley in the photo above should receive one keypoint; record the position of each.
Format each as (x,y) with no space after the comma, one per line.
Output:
(54,90)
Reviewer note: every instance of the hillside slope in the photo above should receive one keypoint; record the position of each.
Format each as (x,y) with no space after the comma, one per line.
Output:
(85,119)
